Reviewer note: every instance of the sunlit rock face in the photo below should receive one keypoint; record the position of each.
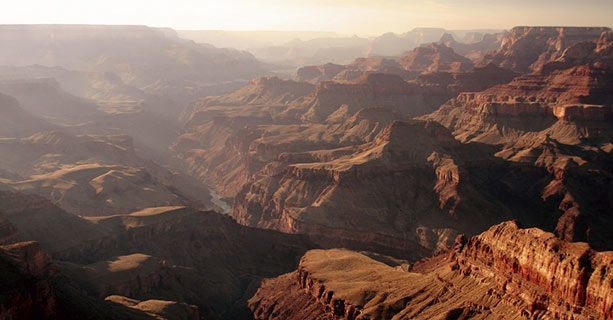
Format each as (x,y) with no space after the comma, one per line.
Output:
(503,272)
(559,119)
(528,49)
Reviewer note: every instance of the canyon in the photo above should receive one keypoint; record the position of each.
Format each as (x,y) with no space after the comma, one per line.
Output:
(434,174)
(330,162)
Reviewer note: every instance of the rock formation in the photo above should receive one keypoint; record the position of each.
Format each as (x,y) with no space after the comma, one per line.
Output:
(430,58)
(287,169)
(498,274)
(315,74)
(400,157)
(229,138)
(167,253)
(558,119)
(435,58)
(478,79)
(32,288)
(438,187)
(370,90)
(527,49)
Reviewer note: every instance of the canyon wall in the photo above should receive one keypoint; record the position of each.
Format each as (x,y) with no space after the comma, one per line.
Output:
(504,273)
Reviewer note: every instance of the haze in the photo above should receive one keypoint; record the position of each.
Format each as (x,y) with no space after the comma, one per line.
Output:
(306,160)
(350,17)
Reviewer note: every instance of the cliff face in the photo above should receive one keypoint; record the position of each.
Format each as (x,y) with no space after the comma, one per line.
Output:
(430,58)
(573,276)
(528,49)
(533,147)
(315,74)
(437,186)
(504,273)
(478,79)
(371,90)
(531,104)
(558,119)
(229,139)
(24,293)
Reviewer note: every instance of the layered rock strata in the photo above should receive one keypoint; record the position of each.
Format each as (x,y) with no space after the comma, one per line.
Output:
(504,273)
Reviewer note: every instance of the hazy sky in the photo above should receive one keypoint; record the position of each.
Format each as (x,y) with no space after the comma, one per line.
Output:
(345,16)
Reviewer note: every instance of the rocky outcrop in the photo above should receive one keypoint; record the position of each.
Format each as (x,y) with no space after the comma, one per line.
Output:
(598,54)
(316,74)
(92,189)
(435,57)
(30,256)
(506,272)
(559,120)
(530,262)
(478,79)
(528,49)
(430,58)
(266,90)
(434,182)
(354,70)
(371,90)
(534,103)
(229,139)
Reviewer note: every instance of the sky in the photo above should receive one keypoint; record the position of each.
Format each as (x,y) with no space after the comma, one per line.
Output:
(362,17)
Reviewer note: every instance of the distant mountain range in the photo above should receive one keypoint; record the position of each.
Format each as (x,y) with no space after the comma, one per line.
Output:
(303,48)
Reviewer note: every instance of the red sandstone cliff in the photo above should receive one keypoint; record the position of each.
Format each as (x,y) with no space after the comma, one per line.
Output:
(527,49)
(528,262)
(504,273)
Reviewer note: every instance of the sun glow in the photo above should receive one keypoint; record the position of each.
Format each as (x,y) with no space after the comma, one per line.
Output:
(358,16)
